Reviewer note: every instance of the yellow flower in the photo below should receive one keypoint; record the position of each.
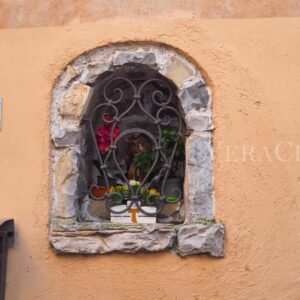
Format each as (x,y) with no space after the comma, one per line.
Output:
(152,191)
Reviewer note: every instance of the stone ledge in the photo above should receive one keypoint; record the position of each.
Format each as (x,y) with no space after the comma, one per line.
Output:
(201,239)
(107,238)
(69,236)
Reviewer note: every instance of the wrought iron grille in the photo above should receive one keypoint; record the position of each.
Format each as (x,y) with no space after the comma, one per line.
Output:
(121,99)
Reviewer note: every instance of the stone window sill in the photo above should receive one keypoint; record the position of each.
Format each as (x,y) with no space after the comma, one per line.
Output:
(70,236)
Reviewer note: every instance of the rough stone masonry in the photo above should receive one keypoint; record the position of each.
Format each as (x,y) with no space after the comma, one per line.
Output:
(70,97)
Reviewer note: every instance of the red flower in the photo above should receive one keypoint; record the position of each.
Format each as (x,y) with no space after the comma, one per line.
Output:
(103,135)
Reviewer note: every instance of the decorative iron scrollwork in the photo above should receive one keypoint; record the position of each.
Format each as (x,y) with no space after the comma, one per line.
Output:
(166,115)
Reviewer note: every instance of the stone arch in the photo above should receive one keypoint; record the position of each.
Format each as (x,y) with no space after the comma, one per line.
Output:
(70,97)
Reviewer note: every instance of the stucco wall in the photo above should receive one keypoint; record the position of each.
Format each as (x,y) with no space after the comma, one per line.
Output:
(28,13)
(253,68)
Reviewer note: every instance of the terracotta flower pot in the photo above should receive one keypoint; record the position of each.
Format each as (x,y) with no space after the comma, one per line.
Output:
(97,192)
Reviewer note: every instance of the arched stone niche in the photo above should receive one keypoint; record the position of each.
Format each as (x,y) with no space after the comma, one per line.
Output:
(72,229)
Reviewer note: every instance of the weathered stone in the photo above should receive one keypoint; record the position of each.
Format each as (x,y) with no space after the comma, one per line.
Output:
(148,239)
(201,239)
(199,121)
(67,76)
(194,94)
(199,159)
(59,223)
(65,184)
(164,59)
(96,209)
(180,70)
(80,62)
(140,57)
(92,71)
(201,206)
(199,177)
(75,100)
(65,137)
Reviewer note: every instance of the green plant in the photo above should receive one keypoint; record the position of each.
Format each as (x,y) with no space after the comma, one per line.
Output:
(121,193)
(171,198)
(142,162)
(168,139)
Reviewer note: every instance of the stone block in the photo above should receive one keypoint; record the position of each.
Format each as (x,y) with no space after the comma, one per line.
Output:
(199,177)
(65,137)
(180,70)
(148,239)
(67,76)
(164,59)
(65,176)
(141,57)
(80,62)
(199,161)
(201,206)
(73,103)
(199,121)
(201,239)
(92,71)
(194,94)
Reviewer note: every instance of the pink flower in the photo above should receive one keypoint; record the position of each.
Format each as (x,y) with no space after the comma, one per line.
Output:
(103,135)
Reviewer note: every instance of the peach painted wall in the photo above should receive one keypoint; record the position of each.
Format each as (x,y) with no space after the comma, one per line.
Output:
(29,13)
(254,71)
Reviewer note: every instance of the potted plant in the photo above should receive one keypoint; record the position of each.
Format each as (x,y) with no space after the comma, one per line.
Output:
(120,196)
(174,182)
(141,163)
